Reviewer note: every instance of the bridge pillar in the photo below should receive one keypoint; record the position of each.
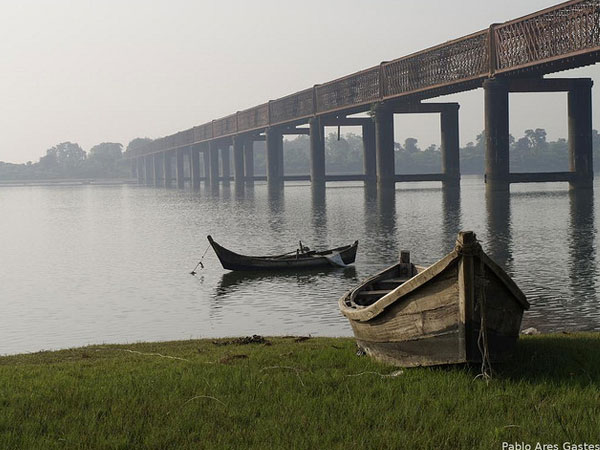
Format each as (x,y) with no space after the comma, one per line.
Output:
(133,168)
(206,161)
(580,134)
(384,147)
(195,166)
(369,154)
(225,166)
(156,164)
(148,170)
(450,146)
(274,139)
(140,169)
(238,161)
(317,152)
(167,168)
(179,169)
(213,153)
(497,169)
(249,161)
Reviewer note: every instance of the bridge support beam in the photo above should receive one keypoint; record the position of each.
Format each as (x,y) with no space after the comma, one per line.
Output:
(317,152)
(450,147)
(179,168)
(384,147)
(249,161)
(206,161)
(369,155)
(140,169)
(225,166)
(167,168)
(580,135)
(148,170)
(238,162)
(156,164)
(274,157)
(497,170)
(195,167)
(213,164)
(497,166)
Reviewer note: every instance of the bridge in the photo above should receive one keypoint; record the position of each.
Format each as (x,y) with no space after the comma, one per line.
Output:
(509,57)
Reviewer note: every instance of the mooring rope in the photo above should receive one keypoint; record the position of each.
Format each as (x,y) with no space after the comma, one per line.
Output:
(473,249)
(482,339)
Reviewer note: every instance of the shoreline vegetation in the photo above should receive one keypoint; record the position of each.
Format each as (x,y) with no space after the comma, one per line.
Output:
(343,154)
(295,392)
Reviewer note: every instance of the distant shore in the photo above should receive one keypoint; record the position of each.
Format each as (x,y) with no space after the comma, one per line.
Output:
(68,182)
(295,392)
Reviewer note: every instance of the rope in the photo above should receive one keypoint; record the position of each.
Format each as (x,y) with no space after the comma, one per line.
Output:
(193,272)
(474,249)
(482,339)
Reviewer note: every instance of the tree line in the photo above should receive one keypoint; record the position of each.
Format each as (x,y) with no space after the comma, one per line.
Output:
(343,154)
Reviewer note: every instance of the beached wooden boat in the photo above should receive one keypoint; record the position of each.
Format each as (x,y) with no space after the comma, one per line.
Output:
(303,258)
(453,311)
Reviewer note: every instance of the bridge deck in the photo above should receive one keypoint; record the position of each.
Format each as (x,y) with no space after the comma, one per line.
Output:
(558,38)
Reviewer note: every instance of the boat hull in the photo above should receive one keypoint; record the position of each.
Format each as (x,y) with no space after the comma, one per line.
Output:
(436,317)
(234,261)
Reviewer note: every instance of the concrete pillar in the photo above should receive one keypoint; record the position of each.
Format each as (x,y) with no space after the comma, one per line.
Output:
(274,156)
(213,163)
(384,147)
(179,168)
(249,161)
(156,164)
(317,152)
(133,168)
(167,168)
(580,134)
(369,156)
(195,167)
(225,166)
(497,163)
(238,161)
(450,147)
(148,170)
(140,169)
(206,160)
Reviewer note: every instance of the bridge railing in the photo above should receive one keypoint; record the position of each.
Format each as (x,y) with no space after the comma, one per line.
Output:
(562,32)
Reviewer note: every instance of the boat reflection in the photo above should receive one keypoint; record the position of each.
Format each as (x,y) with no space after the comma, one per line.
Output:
(232,281)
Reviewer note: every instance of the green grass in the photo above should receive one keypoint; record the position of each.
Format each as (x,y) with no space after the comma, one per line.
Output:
(313,394)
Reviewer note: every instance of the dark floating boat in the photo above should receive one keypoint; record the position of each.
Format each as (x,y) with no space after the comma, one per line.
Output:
(463,308)
(302,258)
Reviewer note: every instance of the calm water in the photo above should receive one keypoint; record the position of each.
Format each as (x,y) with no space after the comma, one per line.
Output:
(110,264)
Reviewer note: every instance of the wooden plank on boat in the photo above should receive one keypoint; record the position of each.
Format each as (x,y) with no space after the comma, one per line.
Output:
(428,351)
(428,311)
(367,313)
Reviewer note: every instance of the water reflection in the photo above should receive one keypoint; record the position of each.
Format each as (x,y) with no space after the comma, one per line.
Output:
(386,223)
(499,244)
(583,269)
(319,214)
(451,213)
(276,208)
(231,281)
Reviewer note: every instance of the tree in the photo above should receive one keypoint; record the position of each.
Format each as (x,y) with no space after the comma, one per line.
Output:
(136,144)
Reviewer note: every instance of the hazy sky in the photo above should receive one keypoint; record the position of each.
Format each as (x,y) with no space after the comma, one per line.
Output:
(107,70)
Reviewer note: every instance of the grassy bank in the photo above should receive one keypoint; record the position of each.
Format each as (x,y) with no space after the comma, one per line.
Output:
(294,393)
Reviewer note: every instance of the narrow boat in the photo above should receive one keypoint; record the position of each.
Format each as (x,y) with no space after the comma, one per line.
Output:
(462,309)
(302,258)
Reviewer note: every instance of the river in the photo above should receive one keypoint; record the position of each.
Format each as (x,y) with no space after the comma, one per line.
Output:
(96,264)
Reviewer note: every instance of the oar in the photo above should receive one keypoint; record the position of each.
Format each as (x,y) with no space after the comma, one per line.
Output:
(193,272)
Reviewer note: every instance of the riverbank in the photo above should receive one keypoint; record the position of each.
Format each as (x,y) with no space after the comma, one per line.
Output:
(67,182)
(294,393)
